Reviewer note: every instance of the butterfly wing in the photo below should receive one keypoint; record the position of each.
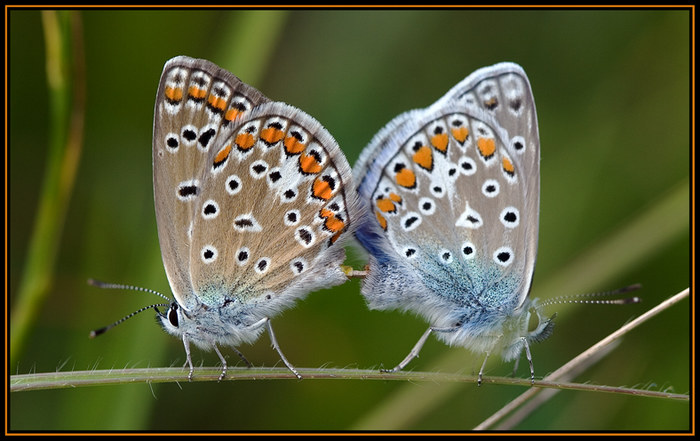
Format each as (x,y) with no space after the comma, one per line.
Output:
(251,196)
(195,104)
(504,92)
(454,190)
(279,196)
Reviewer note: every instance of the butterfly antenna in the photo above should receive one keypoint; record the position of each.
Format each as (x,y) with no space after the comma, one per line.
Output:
(106,285)
(594,298)
(100,331)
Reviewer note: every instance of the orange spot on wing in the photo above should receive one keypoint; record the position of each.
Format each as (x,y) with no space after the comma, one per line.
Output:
(440,142)
(244,141)
(424,157)
(173,93)
(196,92)
(232,114)
(222,155)
(322,189)
(460,134)
(381,219)
(271,135)
(386,205)
(293,146)
(508,166)
(309,164)
(396,198)
(486,146)
(406,178)
(217,102)
(332,223)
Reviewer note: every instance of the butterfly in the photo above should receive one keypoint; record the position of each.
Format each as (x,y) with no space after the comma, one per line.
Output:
(453,191)
(253,200)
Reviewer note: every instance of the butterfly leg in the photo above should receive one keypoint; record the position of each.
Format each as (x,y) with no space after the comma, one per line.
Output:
(481,371)
(275,345)
(223,363)
(529,360)
(411,355)
(245,360)
(189,357)
(416,349)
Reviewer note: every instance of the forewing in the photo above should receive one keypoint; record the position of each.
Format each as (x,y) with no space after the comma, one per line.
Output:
(196,104)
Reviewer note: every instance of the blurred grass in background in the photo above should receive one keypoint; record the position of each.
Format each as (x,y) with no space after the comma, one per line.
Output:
(612,89)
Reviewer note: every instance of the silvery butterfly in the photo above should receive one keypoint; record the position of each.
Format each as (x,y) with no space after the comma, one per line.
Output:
(253,200)
(454,195)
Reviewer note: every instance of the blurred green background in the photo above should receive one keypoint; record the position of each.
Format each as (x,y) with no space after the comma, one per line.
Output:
(612,89)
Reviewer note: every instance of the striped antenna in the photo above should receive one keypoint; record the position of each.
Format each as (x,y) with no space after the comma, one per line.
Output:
(594,298)
(105,285)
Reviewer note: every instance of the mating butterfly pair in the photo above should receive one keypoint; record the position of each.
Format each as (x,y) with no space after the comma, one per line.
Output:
(254,201)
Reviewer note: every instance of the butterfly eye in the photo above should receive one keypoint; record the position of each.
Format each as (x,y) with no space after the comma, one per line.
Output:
(533,320)
(172,315)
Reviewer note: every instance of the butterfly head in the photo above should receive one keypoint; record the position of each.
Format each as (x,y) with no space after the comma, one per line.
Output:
(205,326)
(528,324)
